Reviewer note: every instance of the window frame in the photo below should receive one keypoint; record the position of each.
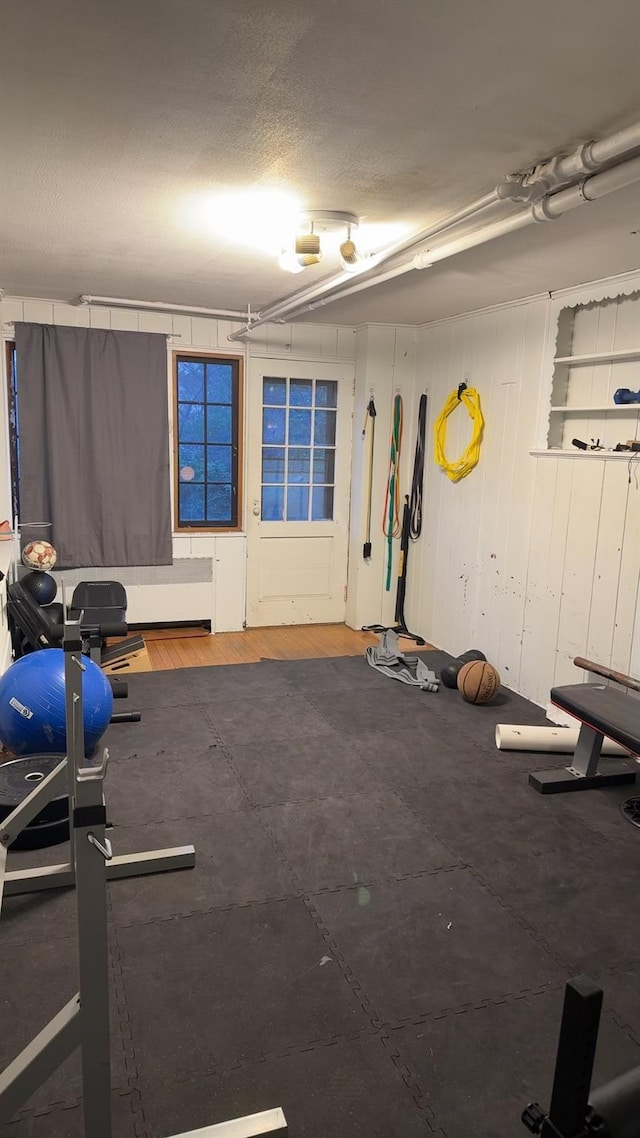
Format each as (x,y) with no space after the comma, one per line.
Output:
(237,411)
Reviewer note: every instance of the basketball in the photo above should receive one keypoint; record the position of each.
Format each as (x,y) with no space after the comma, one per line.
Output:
(478,681)
(39,555)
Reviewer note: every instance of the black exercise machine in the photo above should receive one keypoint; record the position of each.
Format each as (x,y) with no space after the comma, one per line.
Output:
(613,1111)
(34,627)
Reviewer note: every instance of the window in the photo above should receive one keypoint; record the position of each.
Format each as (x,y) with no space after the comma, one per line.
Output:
(298,449)
(206,440)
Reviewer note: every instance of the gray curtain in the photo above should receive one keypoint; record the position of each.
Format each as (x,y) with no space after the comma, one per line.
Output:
(94,443)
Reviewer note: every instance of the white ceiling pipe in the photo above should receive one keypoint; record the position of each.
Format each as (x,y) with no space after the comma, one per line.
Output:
(585,159)
(282,308)
(589,190)
(616,145)
(549,208)
(163,306)
(558,171)
(430,256)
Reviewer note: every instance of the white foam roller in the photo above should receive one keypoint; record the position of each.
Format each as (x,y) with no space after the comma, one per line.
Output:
(561,740)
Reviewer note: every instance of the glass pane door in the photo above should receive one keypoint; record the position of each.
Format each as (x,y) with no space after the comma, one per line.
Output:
(298,449)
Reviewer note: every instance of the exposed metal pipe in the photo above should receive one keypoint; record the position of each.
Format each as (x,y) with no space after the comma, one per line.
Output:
(538,183)
(163,306)
(430,256)
(589,190)
(548,208)
(273,312)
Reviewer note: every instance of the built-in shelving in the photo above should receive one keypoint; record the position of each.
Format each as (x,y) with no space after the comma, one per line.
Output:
(569,410)
(558,452)
(601,357)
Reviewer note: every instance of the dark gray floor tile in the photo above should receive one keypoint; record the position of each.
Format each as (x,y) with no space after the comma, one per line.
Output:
(479,1070)
(30,918)
(266,719)
(235,682)
(572,893)
(151,788)
(484,822)
(235,863)
(356,710)
(209,989)
(289,770)
(621,989)
(68,1122)
(38,980)
(171,730)
(148,690)
(360,838)
(414,944)
(417,755)
(349,1089)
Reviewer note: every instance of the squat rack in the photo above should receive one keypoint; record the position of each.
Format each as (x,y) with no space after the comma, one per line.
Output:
(84,1021)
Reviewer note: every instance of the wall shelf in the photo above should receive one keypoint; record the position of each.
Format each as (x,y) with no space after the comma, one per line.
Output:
(557,452)
(601,357)
(633,407)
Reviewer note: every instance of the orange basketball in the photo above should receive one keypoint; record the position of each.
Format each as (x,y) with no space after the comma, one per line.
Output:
(478,681)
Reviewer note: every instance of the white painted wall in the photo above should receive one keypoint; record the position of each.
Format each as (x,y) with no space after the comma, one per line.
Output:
(532,558)
(224,602)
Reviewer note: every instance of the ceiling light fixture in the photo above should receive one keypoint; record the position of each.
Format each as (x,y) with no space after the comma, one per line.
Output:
(320,231)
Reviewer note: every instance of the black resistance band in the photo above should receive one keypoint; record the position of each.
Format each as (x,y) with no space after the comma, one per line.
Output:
(417,482)
(370,415)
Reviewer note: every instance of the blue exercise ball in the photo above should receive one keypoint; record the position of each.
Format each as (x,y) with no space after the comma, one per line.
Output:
(32,704)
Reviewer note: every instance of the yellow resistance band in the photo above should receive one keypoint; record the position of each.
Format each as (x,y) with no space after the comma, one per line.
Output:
(465,464)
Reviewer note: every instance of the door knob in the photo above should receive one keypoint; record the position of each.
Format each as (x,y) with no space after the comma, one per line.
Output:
(256,509)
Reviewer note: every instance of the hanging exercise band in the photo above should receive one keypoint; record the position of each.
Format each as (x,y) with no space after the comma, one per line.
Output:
(465,464)
(411,525)
(417,481)
(391,525)
(369,417)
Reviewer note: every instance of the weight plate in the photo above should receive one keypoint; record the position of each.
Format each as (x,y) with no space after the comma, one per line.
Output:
(18,777)
(36,837)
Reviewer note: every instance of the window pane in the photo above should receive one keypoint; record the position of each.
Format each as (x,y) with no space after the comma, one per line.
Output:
(218,424)
(300,392)
(298,465)
(297,503)
(272,503)
(191,463)
(324,465)
(326,393)
(325,428)
(191,380)
(219,503)
(322,504)
(272,426)
(273,464)
(219,383)
(191,503)
(300,428)
(274,391)
(218,464)
(191,423)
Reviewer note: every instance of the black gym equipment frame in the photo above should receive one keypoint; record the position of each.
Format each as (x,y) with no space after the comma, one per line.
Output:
(400,627)
(613,1111)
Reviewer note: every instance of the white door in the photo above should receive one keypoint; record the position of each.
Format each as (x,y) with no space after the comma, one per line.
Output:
(298,488)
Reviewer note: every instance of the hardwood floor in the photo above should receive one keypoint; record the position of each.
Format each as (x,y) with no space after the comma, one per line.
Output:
(291,642)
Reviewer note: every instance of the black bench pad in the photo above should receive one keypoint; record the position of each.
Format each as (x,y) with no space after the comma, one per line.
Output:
(605,709)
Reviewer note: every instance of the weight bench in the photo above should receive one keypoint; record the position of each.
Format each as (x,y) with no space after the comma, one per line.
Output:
(602,711)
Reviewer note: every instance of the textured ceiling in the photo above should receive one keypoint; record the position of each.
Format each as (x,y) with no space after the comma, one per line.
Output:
(117,119)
